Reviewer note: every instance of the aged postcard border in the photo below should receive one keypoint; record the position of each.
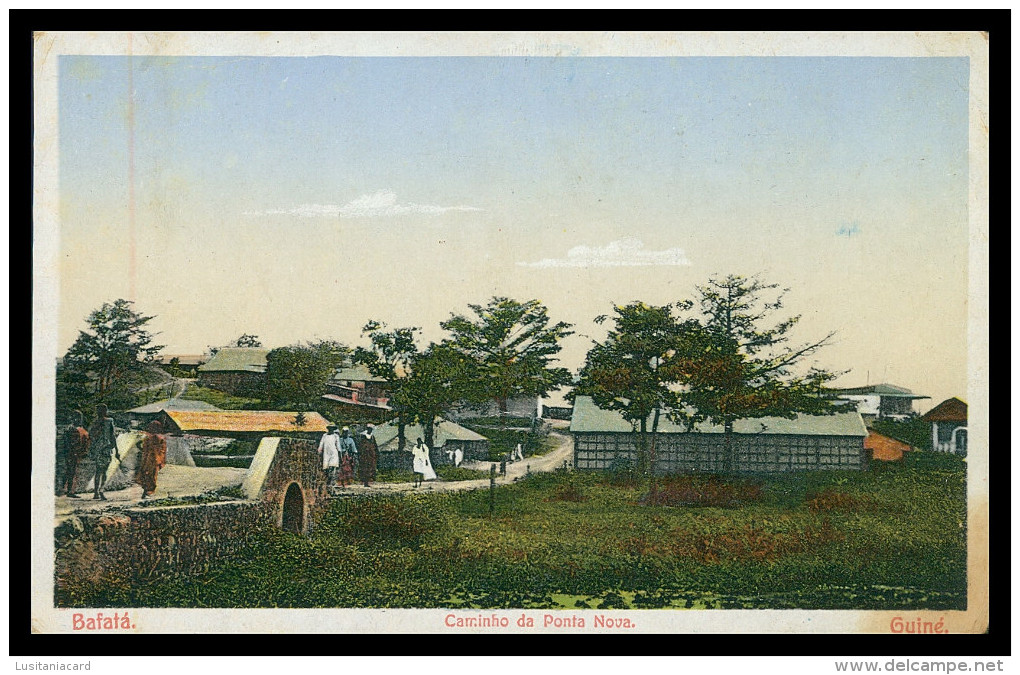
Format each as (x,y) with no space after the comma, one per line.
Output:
(47,619)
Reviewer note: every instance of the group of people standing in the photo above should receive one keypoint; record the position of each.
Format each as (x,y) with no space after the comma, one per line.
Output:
(99,444)
(341,456)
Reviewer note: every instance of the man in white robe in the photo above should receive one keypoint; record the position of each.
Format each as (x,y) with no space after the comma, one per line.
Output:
(329,449)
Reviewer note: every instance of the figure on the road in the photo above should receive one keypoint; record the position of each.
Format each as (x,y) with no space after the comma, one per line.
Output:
(102,442)
(329,450)
(348,456)
(518,454)
(423,470)
(368,455)
(76,447)
(152,458)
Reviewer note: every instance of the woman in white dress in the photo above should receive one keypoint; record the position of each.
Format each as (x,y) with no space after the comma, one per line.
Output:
(422,466)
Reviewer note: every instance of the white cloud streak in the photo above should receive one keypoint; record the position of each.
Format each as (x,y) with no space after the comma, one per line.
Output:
(628,252)
(381,203)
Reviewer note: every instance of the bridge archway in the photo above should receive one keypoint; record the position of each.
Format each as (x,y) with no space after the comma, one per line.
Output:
(293,515)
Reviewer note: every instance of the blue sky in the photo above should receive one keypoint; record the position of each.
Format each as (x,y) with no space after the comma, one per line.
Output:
(259,180)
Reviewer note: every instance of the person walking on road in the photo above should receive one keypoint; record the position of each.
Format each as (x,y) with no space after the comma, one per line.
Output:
(151,459)
(76,447)
(368,455)
(329,450)
(348,456)
(423,470)
(102,442)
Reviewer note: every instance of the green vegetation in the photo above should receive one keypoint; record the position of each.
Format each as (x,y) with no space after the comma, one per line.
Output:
(221,399)
(108,362)
(890,538)
(914,431)
(503,441)
(450,472)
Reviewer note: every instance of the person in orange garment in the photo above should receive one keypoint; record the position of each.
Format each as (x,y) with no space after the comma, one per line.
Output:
(76,447)
(151,459)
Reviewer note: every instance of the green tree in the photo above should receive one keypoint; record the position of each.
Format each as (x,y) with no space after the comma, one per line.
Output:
(439,377)
(296,376)
(748,367)
(389,355)
(638,371)
(100,366)
(512,347)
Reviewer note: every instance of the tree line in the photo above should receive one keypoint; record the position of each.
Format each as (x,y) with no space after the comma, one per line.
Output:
(724,355)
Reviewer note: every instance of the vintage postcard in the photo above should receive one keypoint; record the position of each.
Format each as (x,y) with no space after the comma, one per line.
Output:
(489,333)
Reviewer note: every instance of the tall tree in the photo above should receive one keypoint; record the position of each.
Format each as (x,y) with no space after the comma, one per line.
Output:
(512,346)
(297,375)
(98,368)
(439,377)
(389,356)
(749,366)
(637,371)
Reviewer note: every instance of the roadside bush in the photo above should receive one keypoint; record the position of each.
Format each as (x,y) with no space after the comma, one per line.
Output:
(400,520)
(703,491)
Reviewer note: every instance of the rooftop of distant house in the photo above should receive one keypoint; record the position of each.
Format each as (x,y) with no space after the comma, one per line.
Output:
(263,421)
(588,417)
(355,373)
(445,430)
(246,359)
(173,404)
(889,390)
(950,410)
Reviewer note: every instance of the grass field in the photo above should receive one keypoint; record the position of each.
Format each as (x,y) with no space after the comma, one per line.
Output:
(893,537)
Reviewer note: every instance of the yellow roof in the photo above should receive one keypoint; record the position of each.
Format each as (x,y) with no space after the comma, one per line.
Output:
(246,420)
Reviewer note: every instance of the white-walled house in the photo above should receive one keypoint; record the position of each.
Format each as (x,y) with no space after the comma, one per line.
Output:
(948,426)
(882,400)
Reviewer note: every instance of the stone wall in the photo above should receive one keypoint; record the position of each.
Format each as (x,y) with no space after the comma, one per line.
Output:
(107,550)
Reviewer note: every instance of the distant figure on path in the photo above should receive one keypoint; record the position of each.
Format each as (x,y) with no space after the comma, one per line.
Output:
(102,441)
(329,449)
(348,455)
(518,454)
(152,458)
(368,455)
(423,470)
(76,447)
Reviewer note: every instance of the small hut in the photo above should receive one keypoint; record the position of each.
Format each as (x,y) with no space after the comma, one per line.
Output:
(448,437)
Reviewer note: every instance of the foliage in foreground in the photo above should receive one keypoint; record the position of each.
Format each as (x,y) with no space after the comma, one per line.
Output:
(570,540)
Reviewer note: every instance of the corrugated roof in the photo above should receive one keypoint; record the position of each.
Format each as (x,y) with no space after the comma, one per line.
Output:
(355,373)
(246,420)
(950,410)
(174,404)
(587,417)
(889,390)
(884,447)
(248,359)
(386,434)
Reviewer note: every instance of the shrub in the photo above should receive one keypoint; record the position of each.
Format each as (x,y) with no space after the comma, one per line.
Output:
(450,472)
(400,520)
(834,500)
(703,491)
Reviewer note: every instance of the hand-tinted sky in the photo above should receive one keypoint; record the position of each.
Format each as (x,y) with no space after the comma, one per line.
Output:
(297,198)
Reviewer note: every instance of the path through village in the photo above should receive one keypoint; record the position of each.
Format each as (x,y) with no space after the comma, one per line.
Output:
(188,481)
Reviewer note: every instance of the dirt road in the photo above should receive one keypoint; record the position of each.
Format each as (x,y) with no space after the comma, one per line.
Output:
(540,464)
(186,481)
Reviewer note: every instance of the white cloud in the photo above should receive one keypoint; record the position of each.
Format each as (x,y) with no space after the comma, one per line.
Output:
(628,252)
(381,203)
